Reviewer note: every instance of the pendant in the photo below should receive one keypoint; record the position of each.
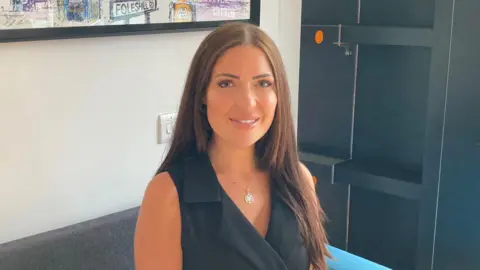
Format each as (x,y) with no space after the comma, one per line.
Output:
(249,197)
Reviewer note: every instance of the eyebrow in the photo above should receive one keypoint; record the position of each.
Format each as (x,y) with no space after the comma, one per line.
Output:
(262,76)
(238,77)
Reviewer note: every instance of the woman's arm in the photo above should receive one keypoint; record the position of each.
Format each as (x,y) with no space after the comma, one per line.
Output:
(305,174)
(158,230)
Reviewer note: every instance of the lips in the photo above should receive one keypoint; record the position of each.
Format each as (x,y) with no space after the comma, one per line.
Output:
(246,122)
(250,121)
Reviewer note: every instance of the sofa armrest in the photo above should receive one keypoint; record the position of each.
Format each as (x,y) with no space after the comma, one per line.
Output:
(343,260)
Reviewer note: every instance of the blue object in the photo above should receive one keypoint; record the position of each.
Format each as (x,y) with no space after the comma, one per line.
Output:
(343,260)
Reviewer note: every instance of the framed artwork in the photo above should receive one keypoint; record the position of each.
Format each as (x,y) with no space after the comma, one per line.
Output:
(22,20)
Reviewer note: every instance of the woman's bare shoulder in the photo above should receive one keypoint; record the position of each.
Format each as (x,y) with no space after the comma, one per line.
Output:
(307,175)
(161,190)
(158,230)
(160,201)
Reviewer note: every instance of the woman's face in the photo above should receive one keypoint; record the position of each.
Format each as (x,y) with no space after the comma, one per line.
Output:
(241,98)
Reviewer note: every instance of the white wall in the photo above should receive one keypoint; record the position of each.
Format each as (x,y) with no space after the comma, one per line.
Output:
(75,149)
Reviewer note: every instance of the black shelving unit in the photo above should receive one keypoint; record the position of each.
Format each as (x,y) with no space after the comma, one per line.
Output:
(374,125)
(374,35)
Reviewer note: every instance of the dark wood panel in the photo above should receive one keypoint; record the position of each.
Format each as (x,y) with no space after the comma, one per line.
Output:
(457,244)
(390,110)
(397,13)
(374,35)
(383,228)
(432,151)
(334,200)
(325,98)
(329,11)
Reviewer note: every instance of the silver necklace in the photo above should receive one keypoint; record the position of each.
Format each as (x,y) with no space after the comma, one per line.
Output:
(249,199)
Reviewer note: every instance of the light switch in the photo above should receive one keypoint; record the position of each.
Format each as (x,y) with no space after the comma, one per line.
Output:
(165,126)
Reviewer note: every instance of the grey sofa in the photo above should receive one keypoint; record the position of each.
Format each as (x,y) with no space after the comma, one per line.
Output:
(105,243)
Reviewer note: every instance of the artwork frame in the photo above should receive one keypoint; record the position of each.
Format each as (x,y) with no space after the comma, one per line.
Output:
(54,33)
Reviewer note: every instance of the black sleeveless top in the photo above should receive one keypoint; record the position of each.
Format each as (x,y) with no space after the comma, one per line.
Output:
(217,236)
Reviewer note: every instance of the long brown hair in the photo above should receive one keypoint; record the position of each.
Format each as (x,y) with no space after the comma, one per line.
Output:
(275,152)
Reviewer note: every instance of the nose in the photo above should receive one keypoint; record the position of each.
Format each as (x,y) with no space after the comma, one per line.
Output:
(246,98)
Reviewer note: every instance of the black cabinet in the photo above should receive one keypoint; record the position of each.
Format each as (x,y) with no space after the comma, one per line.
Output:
(457,241)
(389,107)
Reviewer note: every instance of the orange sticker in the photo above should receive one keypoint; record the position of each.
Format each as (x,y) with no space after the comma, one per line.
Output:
(319,36)
(314,180)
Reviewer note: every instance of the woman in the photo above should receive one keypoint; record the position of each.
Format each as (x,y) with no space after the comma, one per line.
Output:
(231,192)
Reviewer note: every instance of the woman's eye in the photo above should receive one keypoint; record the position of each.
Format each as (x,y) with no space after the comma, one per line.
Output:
(265,84)
(224,84)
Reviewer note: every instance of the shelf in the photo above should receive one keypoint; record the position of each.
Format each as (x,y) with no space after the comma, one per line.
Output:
(320,159)
(381,178)
(320,166)
(372,35)
(405,13)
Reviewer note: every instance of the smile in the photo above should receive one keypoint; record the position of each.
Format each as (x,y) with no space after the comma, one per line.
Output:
(245,122)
